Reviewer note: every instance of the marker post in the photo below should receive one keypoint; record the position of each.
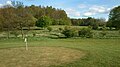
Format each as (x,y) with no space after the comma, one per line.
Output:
(26,44)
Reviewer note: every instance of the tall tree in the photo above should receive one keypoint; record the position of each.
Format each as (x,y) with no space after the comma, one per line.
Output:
(24,19)
(8,19)
(44,21)
(114,17)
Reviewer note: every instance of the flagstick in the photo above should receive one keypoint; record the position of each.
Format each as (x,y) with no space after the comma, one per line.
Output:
(26,45)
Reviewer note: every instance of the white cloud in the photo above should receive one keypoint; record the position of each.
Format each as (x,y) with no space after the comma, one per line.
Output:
(89,14)
(9,3)
(82,6)
(97,10)
(72,12)
(1,5)
(6,3)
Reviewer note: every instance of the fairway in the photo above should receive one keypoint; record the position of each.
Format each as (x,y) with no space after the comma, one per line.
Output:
(46,52)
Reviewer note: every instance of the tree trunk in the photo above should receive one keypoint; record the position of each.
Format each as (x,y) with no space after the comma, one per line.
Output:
(21,28)
(8,33)
(29,28)
(22,33)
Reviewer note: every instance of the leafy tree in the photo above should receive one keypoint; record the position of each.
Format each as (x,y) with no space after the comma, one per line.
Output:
(8,19)
(24,19)
(18,16)
(114,18)
(55,22)
(64,22)
(44,21)
(109,24)
(1,21)
(88,21)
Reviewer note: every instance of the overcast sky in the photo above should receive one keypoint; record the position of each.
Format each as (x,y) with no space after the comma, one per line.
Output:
(76,8)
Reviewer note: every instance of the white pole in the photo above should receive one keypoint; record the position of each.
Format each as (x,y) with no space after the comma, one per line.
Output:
(26,45)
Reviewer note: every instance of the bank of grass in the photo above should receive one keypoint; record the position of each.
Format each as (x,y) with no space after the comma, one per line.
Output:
(38,32)
(56,27)
(99,52)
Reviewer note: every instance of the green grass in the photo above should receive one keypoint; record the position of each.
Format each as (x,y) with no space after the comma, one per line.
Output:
(56,27)
(99,52)
(38,56)
(44,32)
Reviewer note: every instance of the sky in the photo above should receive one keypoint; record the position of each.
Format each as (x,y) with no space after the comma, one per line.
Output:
(75,8)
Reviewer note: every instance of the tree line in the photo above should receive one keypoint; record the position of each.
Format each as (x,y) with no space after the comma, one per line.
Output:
(113,20)
(17,16)
(93,22)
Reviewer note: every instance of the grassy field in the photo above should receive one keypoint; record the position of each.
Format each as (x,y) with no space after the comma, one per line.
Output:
(46,49)
(98,52)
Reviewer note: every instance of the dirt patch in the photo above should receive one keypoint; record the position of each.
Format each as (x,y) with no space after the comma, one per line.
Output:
(38,56)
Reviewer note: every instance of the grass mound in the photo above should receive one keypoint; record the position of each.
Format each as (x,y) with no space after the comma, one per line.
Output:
(38,56)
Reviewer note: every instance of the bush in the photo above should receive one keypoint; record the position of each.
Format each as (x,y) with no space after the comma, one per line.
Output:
(49,28)
(67,28)
(70,32)
(103,28)
(85,32)
(34,34)
(103,33)
(60,29)
(95,27)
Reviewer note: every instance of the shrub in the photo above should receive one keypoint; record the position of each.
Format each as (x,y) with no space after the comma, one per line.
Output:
(49,28)
(103,33)
(67,28)
(34,34)
(60,29)
(95,27)
(85,32)
(103,28)
(90,27)
(70,32)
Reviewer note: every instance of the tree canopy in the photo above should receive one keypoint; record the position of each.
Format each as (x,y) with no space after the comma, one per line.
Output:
(44,21)
(18,16)
(114,18)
